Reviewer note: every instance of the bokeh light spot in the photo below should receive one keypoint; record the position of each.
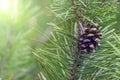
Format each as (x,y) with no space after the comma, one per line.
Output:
(4,5)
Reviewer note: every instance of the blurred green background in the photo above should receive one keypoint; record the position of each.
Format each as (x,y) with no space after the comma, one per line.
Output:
(22,24)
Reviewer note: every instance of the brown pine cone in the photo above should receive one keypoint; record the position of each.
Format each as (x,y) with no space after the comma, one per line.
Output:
(89,38)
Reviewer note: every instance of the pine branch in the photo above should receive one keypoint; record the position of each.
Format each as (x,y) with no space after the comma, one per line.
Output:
(76,12)
(75,64)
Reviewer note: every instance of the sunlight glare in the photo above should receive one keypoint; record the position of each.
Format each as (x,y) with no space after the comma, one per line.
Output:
(4,5)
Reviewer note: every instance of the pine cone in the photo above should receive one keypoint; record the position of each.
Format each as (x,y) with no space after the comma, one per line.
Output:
(89,38)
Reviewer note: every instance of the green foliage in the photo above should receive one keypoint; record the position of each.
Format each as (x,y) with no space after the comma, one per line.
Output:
(18,32)
(55,57)
(105,63)
(23,25)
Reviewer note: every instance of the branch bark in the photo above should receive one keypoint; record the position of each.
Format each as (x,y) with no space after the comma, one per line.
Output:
(76,12)
(76,57)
